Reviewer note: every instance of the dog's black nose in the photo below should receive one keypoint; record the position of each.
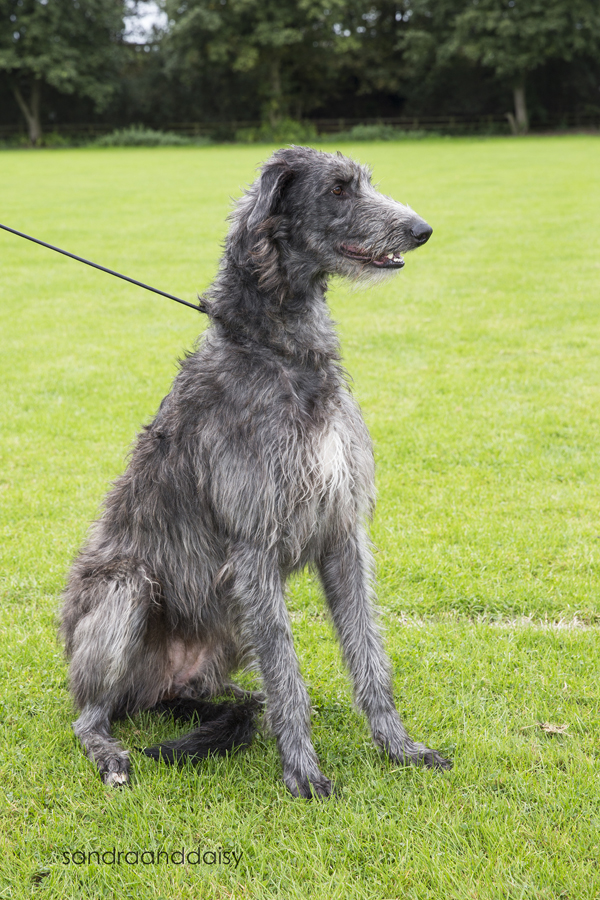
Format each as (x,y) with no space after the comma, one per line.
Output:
(421,232)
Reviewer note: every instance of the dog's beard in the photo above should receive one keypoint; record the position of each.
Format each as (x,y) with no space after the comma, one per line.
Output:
(368,276)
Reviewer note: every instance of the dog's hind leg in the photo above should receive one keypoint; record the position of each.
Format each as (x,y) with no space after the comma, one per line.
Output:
(257,587)
(116,667)
(346,573)
(93,730)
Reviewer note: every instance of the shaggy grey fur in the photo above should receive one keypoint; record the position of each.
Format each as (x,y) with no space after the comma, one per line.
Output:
(257,464)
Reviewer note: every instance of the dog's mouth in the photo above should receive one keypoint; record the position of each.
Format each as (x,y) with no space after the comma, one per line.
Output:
(391,260)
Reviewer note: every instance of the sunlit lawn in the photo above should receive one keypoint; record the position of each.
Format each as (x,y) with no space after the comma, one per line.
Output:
(478,370)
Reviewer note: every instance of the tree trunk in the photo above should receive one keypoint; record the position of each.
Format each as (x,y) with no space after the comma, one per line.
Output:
(275,99)
(521,118)
(512,122)
(31,112)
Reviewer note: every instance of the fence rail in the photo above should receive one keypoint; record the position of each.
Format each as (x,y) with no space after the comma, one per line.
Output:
(440,124)
(336,125)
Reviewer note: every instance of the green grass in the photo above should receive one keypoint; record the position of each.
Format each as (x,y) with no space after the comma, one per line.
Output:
(478,369)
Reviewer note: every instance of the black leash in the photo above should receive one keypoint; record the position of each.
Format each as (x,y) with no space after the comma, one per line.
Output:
(199,308)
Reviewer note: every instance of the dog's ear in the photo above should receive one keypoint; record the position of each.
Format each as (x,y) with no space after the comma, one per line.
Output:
(273,179)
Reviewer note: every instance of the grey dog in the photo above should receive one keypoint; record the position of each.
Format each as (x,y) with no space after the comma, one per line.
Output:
(257,464)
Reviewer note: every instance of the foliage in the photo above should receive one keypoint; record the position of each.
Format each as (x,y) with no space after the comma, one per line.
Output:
(516,37)
(286,131)
(57,140)
(138,136)
(70,45)
(287,50)
(235,62)
(381,133)
(406,54)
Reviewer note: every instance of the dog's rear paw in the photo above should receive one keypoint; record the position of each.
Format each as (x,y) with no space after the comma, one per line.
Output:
(115,772)
(431,759)
(309,787)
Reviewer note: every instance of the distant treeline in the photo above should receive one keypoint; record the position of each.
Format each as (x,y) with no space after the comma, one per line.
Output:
(64,62)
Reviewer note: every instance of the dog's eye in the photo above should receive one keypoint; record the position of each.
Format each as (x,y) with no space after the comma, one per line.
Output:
(338,190)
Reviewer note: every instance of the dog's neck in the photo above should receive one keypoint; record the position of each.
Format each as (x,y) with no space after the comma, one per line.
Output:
(253,306)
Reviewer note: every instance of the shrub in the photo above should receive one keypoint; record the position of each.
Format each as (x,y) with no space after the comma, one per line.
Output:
(381,133)
(138,136)
(288,131)
(55,139)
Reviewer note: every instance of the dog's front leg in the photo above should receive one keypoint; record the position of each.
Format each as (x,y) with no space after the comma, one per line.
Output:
(346,573)
(259,592)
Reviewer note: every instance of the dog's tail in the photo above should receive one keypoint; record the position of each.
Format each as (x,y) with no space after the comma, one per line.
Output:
(224,727)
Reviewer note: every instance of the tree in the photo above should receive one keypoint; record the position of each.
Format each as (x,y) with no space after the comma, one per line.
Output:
(288,49)
(393,43)
(516,37)
(74,46)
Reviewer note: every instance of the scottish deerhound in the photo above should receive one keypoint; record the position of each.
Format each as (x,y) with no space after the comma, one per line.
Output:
(257,463)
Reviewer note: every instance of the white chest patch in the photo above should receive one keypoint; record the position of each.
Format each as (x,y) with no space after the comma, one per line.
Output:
(333,466)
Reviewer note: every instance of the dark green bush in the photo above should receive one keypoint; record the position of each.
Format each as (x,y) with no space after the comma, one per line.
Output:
(381,133)
(138,136)
(288,131)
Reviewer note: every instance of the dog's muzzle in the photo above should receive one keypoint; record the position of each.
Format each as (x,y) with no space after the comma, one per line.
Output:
(391,260)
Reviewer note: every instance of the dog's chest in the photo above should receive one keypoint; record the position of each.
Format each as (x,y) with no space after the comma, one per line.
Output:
(333,464)
(328,439)
(328,481)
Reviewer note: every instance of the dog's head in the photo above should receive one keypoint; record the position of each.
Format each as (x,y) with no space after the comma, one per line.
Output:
(320,211)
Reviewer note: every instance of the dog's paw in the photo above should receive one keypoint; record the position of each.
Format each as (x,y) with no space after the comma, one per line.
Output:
(431,759)
(420,755)
(115,772)
(310,787)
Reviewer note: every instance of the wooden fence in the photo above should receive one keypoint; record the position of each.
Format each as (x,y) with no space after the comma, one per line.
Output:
(440,124)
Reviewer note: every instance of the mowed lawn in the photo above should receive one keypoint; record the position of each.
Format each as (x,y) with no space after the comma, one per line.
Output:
(478,370)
